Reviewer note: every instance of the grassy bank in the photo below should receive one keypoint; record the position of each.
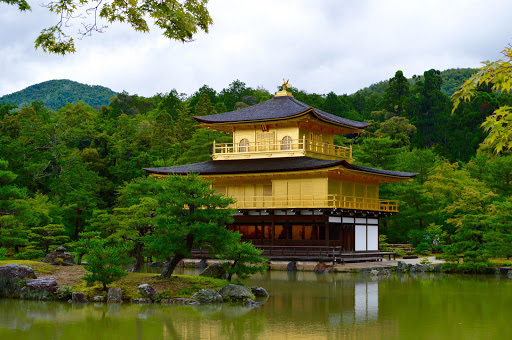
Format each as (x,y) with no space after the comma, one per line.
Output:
(182,286)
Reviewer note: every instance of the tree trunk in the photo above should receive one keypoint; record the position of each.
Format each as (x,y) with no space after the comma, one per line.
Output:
(231,273)
(170,266)
(105,287)
(77,223)
(79,259)
(139,259)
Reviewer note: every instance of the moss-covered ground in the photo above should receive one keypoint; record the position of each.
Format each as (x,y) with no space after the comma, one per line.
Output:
(175,286)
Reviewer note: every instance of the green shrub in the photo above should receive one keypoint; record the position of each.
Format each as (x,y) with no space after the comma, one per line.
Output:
(425,260)
(29,254)
(104,263)
(186,291)
(422,248)
(437,249)
(3,253)
(64,293)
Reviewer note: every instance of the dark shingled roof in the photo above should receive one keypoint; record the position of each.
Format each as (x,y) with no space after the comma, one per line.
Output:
(267,165)
(277,108)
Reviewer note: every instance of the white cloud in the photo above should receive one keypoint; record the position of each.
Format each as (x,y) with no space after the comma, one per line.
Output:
(321,46)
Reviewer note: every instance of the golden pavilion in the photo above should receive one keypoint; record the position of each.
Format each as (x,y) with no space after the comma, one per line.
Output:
(292,185)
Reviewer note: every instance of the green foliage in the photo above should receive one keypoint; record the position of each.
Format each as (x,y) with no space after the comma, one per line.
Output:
(383,243)
(496,74)
(104,262)
(179,20)
(64,293)
(189,217)
(425,260)
(46,236)
(422,248)
(243,260)
(29,253)
(3,253)
(55,94)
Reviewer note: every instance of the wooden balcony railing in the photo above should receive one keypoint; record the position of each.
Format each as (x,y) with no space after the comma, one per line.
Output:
(305,201)
(284,146)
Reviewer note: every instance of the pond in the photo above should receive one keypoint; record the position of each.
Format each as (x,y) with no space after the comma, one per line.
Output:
(302,305)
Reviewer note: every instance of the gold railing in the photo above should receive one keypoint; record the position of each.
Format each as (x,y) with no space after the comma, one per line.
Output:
(305,201)
(283,146)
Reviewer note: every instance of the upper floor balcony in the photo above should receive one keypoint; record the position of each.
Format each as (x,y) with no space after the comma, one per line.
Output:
(308,201)
(285,148)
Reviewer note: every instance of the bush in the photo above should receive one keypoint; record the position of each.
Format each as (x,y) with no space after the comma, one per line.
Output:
(425,260)
(104,263)
(64,293)
(29,254)
(383,243)
(422,248)
(437,249)
(3,253)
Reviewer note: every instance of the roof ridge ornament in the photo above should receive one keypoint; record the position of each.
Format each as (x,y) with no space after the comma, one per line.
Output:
(283,91)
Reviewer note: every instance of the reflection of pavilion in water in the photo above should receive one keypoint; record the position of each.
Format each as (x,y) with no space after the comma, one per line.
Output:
(336,304)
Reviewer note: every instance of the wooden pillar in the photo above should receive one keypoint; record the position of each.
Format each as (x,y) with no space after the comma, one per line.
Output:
(326,233)
(273,228)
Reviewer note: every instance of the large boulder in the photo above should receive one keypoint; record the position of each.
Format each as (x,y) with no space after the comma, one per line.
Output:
(216,271)
(60,257)
(259,292)
(78,297)
(14,271)
(40,289)
(47,284)
(235,293)
(147,291)
(114,295)
(11,277)
(207,296)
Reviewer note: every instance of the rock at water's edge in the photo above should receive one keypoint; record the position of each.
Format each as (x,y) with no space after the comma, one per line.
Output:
(207,296)
(235,293)
(259,292)
(78,297)
(291,267)
(114,295)
(45,284)
(147,291)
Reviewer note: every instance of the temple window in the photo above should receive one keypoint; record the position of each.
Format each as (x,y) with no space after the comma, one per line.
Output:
(244,145)
(286,143)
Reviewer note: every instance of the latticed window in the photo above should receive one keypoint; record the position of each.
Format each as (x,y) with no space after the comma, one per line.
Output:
(244,145)
(286,143)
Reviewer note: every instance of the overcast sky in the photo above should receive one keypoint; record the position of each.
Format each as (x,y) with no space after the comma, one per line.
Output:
(321,46)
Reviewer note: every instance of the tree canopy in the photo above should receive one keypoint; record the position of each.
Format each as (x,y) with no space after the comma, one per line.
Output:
(179,20)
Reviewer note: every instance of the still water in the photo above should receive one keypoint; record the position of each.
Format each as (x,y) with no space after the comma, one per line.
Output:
(301,306)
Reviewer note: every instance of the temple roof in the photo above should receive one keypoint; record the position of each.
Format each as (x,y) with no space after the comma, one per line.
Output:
(268,165)
(277,108)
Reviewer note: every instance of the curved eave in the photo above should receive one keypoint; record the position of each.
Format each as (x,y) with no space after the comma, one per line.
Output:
(306,112)
(278,165)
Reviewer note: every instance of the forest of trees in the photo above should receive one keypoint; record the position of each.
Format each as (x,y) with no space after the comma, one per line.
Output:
(70,175)
(57,93)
